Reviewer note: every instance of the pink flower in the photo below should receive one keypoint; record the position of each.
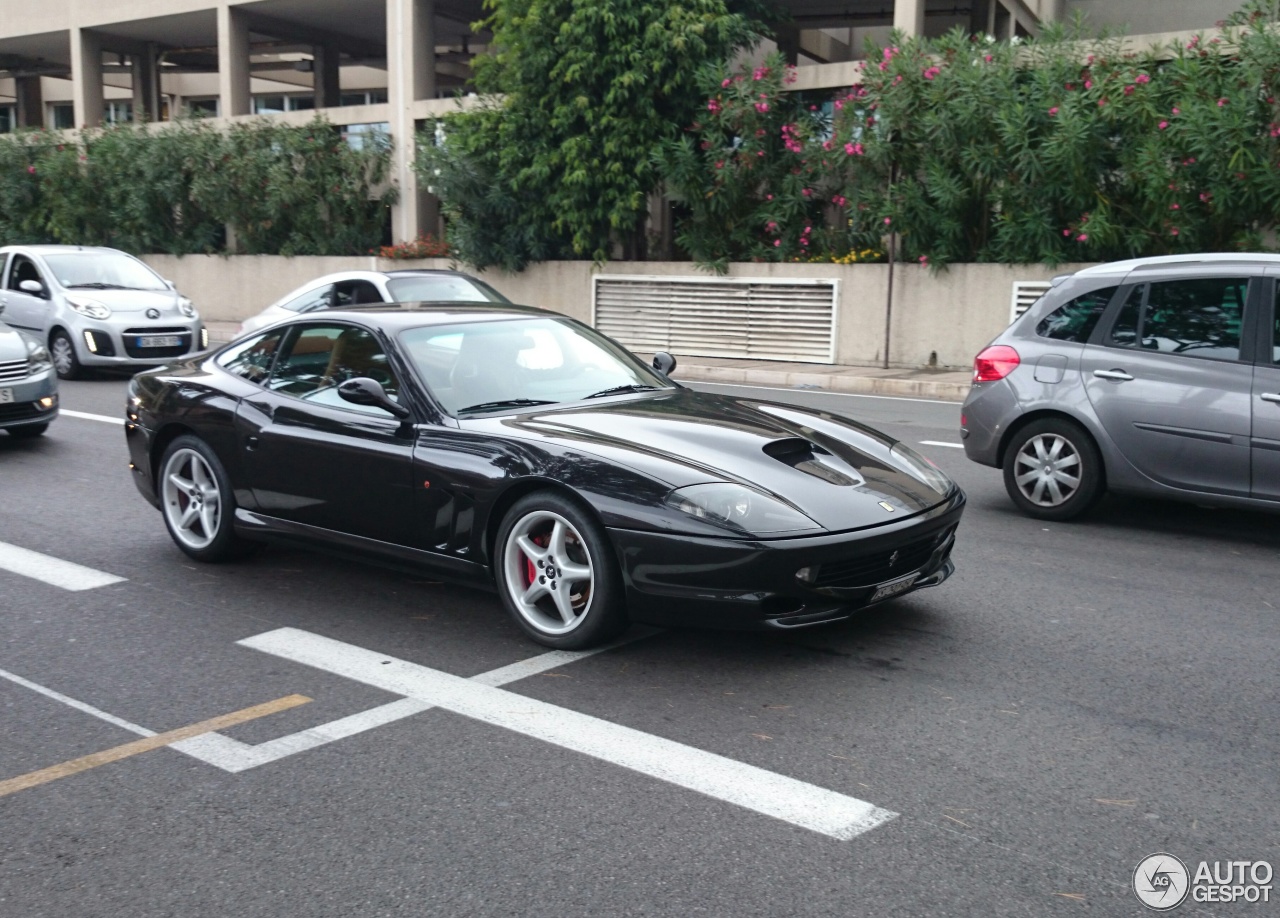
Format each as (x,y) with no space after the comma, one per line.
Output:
(806,192)
(1142,78)
(1083,237)
(760,73)
(768,197)
(720,164)
(853,149)
(1053,111)
(808,229)
(883,66)
(1221,102)
(1088,84)
(771,226)
(1066,232)
(887,221)
(713,106)
(1174,207)
(1128,90)
(31,170)
(987,58)
(931,72)
(1173,232)
(1102,102)
(1176,110)
(924,260)
(725,83)
(762,107)
(839,105)
(777,242)
(1204,196)
(759,152)
(1071,87)
(897,79)
(1163,125)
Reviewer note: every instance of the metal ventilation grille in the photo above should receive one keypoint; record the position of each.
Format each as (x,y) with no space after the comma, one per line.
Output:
(1025,293)
(719,317)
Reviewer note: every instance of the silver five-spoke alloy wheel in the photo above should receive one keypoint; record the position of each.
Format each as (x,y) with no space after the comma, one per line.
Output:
(549,573)
(192,501)
(1047,470)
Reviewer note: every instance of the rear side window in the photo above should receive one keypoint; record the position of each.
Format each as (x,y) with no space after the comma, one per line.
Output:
(1076,320)
(1197,317)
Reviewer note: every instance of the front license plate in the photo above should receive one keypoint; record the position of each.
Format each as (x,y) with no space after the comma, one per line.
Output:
(894,587)
(158,341)
(6,396)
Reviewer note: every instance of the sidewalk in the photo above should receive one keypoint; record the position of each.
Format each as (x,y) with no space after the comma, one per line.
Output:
(945,385)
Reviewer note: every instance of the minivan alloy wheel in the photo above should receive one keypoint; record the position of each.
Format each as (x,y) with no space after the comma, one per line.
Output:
(1047,470)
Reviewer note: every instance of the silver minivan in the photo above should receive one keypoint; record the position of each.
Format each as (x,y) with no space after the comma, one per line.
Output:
(1156,376)
(96,307)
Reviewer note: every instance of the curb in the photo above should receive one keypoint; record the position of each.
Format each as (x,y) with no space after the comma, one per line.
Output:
(833,382)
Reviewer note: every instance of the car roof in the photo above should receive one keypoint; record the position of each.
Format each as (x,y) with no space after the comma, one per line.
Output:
(1174,261)
(395,317)
(62,249)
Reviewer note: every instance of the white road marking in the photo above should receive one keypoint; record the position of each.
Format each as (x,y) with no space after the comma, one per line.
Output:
(52,570)
(84,416)
(78,705)
(805,805)
(941,443)
(234,756)
(692,383)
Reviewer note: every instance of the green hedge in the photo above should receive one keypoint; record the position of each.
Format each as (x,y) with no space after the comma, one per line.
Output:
(174,189)
(1045,151)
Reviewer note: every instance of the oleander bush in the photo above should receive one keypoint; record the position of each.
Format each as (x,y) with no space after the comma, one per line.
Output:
(175,190)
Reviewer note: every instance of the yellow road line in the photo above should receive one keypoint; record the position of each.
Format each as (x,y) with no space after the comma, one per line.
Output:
(75,766)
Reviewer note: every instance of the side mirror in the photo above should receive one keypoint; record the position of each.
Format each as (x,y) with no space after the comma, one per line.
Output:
(365,391)
(32,286)
(170,284)
(664,363)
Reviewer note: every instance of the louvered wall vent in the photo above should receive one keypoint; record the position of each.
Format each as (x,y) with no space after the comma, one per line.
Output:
(749,318)
(1025,293)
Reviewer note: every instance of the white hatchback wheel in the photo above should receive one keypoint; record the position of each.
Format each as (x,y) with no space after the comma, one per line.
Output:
(191,499)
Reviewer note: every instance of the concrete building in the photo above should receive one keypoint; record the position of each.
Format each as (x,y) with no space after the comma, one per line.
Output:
(385,65)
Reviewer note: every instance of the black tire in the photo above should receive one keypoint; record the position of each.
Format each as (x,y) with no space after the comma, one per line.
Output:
(192,460)
(63,350)
(28,431)
(1047,455)
(569,611)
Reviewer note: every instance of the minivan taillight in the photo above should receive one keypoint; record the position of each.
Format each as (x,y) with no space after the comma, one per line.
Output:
(995,362)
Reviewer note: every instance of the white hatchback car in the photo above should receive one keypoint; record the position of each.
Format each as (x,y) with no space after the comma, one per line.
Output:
(354,288)
(96,307)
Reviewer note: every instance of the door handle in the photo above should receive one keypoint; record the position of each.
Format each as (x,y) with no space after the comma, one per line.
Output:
(1118,375)
(1271,397)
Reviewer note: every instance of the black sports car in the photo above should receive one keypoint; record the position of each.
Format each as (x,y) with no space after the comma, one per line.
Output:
(506,444)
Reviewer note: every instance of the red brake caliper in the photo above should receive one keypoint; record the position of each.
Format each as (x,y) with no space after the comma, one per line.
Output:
(531,572)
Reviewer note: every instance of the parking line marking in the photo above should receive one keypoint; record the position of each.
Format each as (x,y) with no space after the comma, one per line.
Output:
(235,756)
(146,744)
(941,443)
(801,804)
(85,416)
(51,570)
(78,705)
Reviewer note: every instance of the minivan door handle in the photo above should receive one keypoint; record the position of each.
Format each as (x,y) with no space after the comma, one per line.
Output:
(1118,375)
(1271,397)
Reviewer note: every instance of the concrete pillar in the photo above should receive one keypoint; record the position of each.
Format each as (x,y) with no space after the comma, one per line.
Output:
(326,76)
(146,85)
(233,62)
(30,101)
(86,77)
(908,17)
(411,75)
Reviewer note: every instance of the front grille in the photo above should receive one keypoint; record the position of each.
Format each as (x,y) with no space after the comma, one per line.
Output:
(874,568)
(130,336)
(19,411)
(14,370)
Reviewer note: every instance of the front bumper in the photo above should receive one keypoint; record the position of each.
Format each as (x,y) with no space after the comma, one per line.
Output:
(673,579)
(26,407)
(107,345)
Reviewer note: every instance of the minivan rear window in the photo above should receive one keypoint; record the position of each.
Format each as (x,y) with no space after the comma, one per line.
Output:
(1076,320)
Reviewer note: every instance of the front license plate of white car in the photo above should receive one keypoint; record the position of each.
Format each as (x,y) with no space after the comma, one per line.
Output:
(159,341)
(894,587)
(6,396)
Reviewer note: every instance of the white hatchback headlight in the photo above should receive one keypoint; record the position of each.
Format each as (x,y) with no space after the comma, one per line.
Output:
(91,309)
(188,308)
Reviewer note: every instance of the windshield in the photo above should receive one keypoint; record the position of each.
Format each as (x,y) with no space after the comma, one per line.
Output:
(481,366)
(442,288)
(103,270)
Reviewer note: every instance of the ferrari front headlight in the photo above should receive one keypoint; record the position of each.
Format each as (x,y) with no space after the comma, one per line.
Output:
(737,507)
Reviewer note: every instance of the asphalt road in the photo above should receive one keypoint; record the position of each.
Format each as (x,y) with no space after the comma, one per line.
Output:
(1077,697)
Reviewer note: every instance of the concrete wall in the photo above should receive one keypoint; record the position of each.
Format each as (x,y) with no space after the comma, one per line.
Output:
(943,318)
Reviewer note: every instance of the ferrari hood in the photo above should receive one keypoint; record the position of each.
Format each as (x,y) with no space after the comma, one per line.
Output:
(839,473)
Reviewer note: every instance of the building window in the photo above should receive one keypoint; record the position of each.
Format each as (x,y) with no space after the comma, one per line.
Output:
(364,97)
(367,136)
(7,118)
(201,108)
(275,104)
(64,117)
(117,112)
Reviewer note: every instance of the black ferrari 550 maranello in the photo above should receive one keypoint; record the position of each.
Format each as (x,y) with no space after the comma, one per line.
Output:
(506,444)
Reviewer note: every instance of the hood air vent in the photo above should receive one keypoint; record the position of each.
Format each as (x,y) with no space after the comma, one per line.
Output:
(812,459)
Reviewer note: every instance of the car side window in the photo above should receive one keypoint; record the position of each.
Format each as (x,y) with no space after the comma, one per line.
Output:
(1275,341)
(251,359)
(321,357)
(1195,317)
(317,298)
(22,268)
(355,293)
(1076,320)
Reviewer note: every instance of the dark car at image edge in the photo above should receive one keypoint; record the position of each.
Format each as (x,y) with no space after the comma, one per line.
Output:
(507,445)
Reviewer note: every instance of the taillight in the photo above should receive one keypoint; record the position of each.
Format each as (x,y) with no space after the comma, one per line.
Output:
(995,362)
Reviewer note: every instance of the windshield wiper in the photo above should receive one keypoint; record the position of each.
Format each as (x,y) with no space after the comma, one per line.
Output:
(98,285)
(507,403)
(618,390)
